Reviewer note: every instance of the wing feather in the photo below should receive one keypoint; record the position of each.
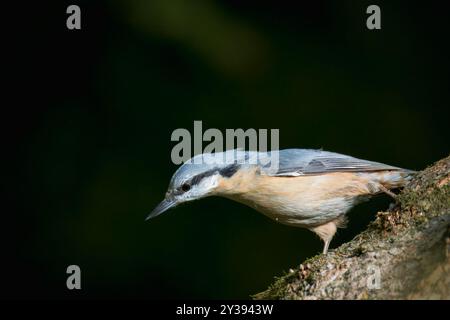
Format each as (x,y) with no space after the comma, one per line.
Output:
(298,162)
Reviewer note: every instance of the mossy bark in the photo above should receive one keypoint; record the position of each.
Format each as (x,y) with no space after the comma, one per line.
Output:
(403,254)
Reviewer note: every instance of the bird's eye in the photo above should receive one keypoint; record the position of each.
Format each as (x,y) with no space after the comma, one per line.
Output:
(186,187)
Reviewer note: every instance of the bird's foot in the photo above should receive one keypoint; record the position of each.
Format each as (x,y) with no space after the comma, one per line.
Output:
(388,192)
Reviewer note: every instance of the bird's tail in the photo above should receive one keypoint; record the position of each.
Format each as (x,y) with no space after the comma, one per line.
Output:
(395,178)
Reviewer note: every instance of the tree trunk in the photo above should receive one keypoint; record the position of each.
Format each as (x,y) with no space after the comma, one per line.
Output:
(403,254)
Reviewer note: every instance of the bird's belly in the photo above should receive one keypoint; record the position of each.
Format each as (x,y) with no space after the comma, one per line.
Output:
(305,201)
(304,212)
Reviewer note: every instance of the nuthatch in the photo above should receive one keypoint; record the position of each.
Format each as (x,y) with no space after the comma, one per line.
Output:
(313,189)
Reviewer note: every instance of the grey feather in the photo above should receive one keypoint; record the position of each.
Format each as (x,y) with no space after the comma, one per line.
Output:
(298,162)
(290,163)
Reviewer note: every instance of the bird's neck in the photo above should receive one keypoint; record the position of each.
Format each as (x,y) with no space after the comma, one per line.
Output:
(240,183)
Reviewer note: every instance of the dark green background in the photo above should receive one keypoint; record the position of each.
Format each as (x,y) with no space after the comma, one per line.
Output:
(90,133)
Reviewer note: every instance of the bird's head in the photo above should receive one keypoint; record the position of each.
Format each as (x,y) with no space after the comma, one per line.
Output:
(195,179)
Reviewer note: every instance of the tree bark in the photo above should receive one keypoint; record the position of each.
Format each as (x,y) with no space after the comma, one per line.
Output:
(403,254)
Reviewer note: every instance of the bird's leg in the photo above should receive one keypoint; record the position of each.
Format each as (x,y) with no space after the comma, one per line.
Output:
(325,232)
(325,246)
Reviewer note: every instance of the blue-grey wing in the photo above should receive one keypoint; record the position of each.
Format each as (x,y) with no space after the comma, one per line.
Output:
(298,162)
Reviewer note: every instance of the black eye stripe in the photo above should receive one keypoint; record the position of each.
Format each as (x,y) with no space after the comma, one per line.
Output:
(226,172)
(229,171)
(196,179)
(185,187)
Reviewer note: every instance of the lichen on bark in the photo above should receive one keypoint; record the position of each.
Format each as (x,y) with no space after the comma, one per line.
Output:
(403,254)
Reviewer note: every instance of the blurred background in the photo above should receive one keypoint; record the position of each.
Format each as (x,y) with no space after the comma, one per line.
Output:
(88,136)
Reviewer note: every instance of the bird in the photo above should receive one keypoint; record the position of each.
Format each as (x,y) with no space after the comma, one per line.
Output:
(307,188)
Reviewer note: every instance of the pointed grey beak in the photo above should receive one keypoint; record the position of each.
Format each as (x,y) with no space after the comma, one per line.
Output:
(165,205)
